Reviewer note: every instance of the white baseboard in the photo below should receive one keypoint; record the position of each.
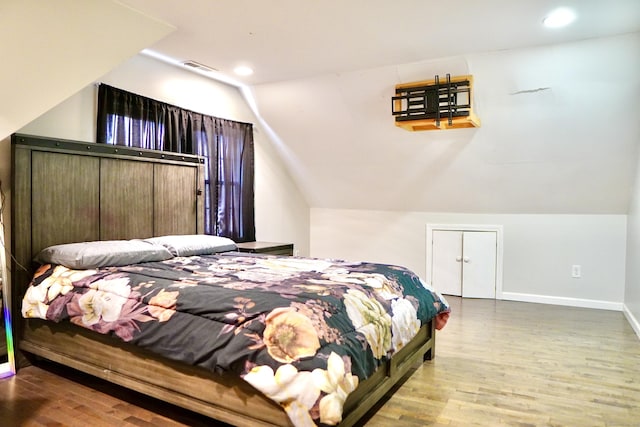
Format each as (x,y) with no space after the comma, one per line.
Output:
(571,302)
(632,320)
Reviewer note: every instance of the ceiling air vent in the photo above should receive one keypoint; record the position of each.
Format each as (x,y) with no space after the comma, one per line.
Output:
(198,66)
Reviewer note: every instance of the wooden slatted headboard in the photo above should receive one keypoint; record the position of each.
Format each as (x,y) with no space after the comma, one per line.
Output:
(68,191)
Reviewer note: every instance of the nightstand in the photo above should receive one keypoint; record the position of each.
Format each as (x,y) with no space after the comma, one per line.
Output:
(270,248)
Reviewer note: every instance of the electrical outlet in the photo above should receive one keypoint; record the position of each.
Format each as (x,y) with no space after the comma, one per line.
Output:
(576,271)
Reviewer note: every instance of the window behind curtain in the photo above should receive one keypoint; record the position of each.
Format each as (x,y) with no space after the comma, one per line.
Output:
(125,118)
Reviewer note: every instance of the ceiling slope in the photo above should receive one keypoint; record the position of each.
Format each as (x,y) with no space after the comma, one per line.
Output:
(292,39)
(559,134)
(50,50)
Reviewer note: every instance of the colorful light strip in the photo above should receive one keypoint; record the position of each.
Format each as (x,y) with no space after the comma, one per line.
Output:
(7,326)
(6,369)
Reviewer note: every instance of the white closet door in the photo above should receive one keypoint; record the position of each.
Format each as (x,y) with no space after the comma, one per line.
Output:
(446,275)
(479,264)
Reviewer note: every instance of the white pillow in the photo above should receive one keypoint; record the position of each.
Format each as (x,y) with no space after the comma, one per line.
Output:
(103,253)
(194,244)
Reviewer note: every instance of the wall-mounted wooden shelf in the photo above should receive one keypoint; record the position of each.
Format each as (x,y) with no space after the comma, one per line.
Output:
(435,104)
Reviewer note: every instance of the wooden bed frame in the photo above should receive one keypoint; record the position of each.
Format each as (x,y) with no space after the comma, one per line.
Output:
(66,191)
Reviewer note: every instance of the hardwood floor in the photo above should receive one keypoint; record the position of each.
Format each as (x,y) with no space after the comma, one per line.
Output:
(504,363)
(498,363)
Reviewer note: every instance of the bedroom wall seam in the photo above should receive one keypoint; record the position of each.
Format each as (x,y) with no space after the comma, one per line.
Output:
(632,320)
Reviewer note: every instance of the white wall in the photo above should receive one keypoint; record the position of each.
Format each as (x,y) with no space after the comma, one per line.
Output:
(282,214)
(632,289)
(539,250)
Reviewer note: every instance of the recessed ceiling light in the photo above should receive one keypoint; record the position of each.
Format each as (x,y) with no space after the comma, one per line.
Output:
(243,70)
(559,18)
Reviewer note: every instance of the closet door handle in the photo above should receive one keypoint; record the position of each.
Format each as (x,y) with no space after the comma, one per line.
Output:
(458,258)
(466,259)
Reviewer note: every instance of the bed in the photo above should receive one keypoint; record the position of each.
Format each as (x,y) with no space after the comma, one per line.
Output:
(254,379)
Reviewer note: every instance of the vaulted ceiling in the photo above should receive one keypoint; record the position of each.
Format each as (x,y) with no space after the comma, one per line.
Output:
(558,107)
(292,39)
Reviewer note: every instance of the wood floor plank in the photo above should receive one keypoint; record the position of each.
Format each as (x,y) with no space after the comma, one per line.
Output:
(498,363)
(545,365)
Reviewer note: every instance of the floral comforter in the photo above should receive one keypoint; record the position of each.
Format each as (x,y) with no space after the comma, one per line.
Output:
(302,331)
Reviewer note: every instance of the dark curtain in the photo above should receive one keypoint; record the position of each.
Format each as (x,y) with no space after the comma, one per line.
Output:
(125,118)
(235,172)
